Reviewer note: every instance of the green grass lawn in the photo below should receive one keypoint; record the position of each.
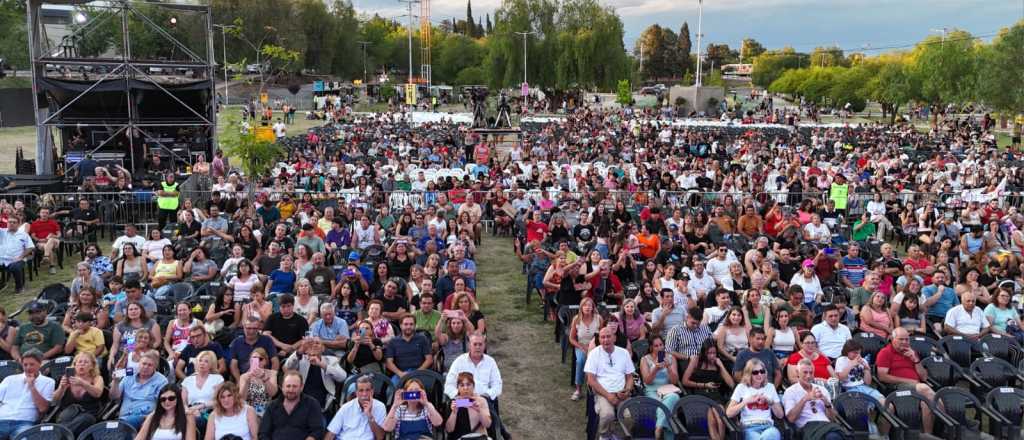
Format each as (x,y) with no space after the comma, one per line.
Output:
(535,403)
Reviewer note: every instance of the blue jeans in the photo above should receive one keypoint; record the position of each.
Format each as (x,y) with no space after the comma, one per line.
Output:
(761,432)
(134,420)
(581,360)
(867,390)
(398,380)
(11,428)
(602,249)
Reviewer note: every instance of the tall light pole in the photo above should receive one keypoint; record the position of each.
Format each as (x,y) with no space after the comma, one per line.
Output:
(409,4)
(224,54)
(700,33)
(364,44)
(525,84)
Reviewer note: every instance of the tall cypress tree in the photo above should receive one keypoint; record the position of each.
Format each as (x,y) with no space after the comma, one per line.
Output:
(489,27)
(470,25)
(684,47)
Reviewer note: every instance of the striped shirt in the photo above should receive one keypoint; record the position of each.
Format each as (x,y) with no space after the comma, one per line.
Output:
(854,270)
(685,341)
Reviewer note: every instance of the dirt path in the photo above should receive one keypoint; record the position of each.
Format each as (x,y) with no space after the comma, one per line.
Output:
(535,403)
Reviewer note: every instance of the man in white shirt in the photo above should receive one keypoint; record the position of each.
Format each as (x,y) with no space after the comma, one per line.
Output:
(806,403)
(609,372)
(485,374)
(701,284)
(831,335)
(359,418)
(15,246)
(24,397)
(966,319)
(718,267)
(817,231)
(280,130)
(131,235)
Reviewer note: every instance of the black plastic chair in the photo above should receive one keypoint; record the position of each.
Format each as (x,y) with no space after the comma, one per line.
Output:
(925,346)
(1002,347)
(565,317)
(959,349)
(906,406)
(9,368)
(854,409)
(46,431)
(691,416)
(1009,404)
(955,403)
(640,349)
(58,293)
(433,384)
(942,372)
(993,372)
(871,344)
(114,430)
(638,417)
(54,368)
(383,389)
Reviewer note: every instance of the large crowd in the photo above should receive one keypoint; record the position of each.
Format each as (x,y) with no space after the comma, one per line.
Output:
(763,264)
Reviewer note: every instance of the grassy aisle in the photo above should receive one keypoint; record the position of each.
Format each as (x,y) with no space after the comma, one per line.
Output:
(535,403)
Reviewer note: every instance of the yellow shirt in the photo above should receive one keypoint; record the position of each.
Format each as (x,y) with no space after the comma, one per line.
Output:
(88,341)
(286,209)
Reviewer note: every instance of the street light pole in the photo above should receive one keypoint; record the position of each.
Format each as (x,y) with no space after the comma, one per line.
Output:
(364,44)
(700,33)
(224,55)
(409,3)
(525,84)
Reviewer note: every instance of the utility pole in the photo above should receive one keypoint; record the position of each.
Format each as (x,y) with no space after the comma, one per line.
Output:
(525,84)
(224,54)
(700,33)
(642,61)
(942,31)
(364,44)
(409,4)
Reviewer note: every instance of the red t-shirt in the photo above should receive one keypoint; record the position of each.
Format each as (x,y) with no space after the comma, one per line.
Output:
(821,364)
(919,264)
(536,231)
(898,364)
(43,228)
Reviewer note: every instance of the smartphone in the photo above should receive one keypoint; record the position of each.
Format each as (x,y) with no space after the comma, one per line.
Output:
(463,403)
(120,374)
(829,251)
(411,395)
(70,372)
(254,362)
(362,332)
(661,357)
(129,371)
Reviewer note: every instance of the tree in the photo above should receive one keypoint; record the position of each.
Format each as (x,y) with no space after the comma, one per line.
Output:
(490,28)
(683,48)
(849,87)
(661,52)
(276,58)
(470,25)
(750,49)
(999,82)
(770,65)
(945,68)
(827,57)
(256,157)
(625,93)
(891,87)
(719,54)
(14,39)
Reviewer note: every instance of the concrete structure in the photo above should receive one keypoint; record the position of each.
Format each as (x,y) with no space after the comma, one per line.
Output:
(697,98)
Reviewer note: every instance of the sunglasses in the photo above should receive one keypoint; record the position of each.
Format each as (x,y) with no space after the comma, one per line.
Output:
(168,398)
(758,372)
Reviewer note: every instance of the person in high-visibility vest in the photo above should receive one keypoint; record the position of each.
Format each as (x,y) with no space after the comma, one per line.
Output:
(839,192)
(167,199)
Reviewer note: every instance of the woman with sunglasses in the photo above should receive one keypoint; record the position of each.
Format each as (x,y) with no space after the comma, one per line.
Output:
(756,401)
(168,420)
(231,416)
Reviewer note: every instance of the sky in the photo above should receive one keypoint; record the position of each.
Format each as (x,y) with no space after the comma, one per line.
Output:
(803,24)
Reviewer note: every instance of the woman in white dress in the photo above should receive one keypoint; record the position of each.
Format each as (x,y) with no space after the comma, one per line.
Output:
(198,389)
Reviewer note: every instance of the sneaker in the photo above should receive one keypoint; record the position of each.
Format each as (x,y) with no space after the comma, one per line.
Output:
(575,396)
(53,270)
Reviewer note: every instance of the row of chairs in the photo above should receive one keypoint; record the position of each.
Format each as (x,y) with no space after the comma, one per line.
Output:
(959,413)
(110,430)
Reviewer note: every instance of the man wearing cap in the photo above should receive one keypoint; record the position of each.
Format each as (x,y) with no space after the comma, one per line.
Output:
(24,397)
(84,337)
(309,237)
(41,334)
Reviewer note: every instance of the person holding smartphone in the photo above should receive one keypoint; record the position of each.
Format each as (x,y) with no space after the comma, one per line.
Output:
(470,413)
(661,377)
(412,416)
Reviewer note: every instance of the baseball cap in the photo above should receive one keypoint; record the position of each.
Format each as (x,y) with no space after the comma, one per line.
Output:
(37,306)
(353,256)
(808,263)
